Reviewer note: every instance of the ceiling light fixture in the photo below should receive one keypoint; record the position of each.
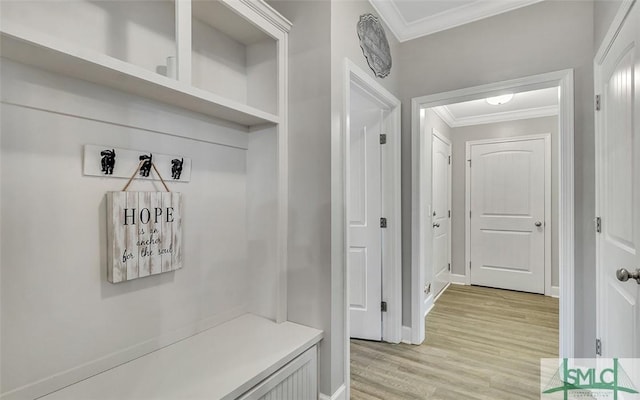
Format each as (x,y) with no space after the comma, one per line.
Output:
(498,100)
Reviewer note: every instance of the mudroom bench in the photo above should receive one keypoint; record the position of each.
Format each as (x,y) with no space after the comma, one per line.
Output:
(247,358)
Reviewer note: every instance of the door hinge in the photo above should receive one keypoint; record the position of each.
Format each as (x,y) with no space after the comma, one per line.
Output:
(383,306)
(449,160)
(598,347)
(598,225)
(449,266)
(469,213)
(449,213)
(469,264)
(383,222)
(469,163)
(383,138)
(598,103)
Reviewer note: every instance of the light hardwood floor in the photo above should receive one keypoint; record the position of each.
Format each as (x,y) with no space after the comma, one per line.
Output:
(481,343)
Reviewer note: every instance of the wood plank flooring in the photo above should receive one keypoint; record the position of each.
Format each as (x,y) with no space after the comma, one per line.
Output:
(481,343)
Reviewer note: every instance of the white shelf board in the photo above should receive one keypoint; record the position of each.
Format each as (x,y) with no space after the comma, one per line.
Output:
(34,48)
(220,363)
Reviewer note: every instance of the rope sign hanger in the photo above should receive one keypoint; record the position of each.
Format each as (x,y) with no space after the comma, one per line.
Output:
(124,189)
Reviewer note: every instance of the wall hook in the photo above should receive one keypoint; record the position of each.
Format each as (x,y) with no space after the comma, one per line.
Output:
(176,168)
(108,161)
(146,165)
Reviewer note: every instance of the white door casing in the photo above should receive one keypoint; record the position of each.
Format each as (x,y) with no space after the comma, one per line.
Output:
(508,213)
(618,186)
(391,203)
(365,211)
(441,212)
(421,186)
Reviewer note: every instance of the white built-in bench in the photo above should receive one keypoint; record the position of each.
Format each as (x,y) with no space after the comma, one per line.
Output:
(247,358)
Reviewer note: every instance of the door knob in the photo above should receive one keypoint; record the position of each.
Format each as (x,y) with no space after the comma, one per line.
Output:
(624,275)
(436,225)
(538,224)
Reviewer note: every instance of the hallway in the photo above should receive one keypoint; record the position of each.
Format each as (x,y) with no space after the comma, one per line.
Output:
(481,343)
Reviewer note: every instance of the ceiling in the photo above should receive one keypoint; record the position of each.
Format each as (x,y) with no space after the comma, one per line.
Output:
(410,19)
(533,104)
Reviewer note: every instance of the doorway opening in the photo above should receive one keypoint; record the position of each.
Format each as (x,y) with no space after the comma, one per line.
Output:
(372,230)
(525,162)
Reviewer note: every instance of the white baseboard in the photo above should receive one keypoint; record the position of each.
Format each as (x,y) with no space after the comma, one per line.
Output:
(428,304)
(340,394)
(458,279)
(441,292)
(406,334)
(555,291)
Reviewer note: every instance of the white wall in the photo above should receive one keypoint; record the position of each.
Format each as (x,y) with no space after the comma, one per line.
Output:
(459,138)
(548,36)
(58,312)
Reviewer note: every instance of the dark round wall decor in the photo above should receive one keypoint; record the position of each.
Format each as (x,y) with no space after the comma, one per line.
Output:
(374,44)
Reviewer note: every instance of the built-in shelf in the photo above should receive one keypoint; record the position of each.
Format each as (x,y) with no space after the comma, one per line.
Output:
(43,51)
(221,363)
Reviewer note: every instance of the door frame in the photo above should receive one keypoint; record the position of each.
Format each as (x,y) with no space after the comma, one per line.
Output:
(391,202)
(605,46)
(434,132)
(563,79)
(547,203)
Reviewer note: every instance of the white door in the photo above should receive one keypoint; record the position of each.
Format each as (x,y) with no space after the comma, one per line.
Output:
(441,213)
(619,193)
(507,219)
(365,211)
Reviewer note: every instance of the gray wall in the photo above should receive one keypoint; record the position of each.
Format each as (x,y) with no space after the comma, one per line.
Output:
(309,275)
(345,44)
(58,312)
(460,136)
(323,34)
(548,36)
(604,11)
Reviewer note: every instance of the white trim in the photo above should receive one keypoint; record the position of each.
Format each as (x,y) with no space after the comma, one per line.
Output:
(340,394)
(563,79)
(453,122)
(445,115)
(451,18)
(406,334)
(548,223)
(605,47)
(554,292)
(392,245)
(457,279)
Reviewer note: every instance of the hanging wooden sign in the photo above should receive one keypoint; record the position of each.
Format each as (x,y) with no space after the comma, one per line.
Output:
(144,234)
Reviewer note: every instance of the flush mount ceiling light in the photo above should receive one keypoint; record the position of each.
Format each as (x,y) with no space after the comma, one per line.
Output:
(497,100)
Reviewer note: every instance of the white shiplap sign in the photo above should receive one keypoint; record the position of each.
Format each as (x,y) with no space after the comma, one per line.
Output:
(144,234)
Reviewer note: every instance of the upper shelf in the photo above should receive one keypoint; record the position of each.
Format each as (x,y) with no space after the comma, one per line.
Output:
(34,48)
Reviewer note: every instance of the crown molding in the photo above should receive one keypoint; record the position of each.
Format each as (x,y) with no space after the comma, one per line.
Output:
(445,114)
(451,18)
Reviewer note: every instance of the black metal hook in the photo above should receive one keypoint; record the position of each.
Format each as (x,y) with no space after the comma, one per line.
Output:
(108,161)
(176,168)
(145,168)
